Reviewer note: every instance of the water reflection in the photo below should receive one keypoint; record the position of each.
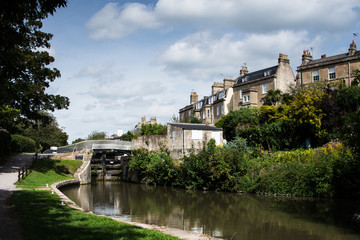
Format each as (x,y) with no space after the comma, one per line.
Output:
(224,215)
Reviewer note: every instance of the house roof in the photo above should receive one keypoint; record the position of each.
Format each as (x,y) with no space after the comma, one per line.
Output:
(332,58)
(190,126)
(257,75)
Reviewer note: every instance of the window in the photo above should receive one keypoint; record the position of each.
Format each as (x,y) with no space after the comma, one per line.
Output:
(315,75)
(246,98)
(222,95)
(204,114)
(222,109)
(264,88)
(332,74)
(208,113)
(217,110)
(241,96)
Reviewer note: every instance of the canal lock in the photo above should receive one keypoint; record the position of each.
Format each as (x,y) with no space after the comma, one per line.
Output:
(108,165)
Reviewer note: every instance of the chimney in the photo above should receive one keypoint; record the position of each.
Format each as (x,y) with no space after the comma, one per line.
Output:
(283,58)
(306,57)
(244,70)
(193,97)
(228,83)
(217,87)
(352,48)
(153,120)
(323,56)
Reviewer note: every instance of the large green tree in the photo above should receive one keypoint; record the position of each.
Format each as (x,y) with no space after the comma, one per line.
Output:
(24,71)
(46,134)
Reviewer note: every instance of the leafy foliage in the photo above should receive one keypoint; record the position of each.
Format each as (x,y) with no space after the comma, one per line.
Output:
(24,73)
(46,134)
(154,168)
(96,135)
(128,136)
(5,142)
(195,120)
(273,97)
(22,144)
(78,140)
(153,129)
(242,118)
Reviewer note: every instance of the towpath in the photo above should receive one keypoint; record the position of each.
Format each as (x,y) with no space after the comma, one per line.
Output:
(9,222)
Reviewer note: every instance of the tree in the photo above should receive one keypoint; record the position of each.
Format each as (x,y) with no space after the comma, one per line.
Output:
(78,140)
(96,135)
(273,97)
(195,120)
(174,119)
(234,120)
(46,133)
(153,129)
(128,136)
(24,75)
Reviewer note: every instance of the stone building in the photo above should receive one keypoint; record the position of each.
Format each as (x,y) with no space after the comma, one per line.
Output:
(143,121)
(332,68)
(182,137)
(251,88)
(212,107)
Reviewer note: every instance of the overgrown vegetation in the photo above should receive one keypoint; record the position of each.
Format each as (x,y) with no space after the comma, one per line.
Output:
(48,171)
(328,171)
(42,217)
(146,130)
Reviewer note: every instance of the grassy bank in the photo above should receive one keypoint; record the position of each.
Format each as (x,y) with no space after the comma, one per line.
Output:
(42,217)
(49,171)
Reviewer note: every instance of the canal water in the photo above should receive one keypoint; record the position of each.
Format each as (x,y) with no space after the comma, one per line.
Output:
(224,215)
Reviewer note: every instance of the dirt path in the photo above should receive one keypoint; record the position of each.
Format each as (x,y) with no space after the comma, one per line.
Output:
(9,223)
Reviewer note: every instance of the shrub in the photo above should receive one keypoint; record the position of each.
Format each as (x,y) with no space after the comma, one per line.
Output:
(22,144)
(5,141)
(154,168)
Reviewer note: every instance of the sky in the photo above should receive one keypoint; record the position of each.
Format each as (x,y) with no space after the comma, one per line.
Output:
(121,60)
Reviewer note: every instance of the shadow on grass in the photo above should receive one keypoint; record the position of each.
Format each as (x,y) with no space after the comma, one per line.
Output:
(44,218)
(44,165)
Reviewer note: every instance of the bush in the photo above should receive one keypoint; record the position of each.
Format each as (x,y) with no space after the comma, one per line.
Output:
(154,168)
(5,141)
(22,144)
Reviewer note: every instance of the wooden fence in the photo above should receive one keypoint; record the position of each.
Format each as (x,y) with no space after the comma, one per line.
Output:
(24,171)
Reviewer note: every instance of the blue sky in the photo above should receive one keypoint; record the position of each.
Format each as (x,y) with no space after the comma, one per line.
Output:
(120,60)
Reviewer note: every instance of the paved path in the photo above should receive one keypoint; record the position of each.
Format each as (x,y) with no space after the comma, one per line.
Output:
(9,222)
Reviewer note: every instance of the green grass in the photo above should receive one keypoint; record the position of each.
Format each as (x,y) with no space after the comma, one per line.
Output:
(49,171)
(42,217)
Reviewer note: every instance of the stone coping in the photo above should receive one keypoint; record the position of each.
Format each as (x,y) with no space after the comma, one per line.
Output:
(182,234)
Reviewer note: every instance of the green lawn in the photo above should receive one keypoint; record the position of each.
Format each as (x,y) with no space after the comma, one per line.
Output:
(49,171)
(42,217)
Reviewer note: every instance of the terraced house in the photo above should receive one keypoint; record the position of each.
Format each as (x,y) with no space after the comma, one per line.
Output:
(332,68)
(249,89)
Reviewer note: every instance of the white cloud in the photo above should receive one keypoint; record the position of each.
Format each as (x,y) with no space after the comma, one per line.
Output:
(257,15)
(202,56)
(116,22)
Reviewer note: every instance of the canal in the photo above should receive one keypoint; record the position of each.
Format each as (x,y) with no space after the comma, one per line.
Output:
(224,215)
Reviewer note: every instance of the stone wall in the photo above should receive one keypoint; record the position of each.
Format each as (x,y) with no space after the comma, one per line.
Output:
(154,143)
